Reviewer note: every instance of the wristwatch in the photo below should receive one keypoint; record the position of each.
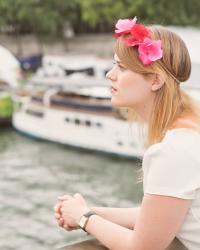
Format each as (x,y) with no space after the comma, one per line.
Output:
(84,219)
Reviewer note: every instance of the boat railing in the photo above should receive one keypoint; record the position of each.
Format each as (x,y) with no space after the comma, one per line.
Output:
(47,96)
(21,99)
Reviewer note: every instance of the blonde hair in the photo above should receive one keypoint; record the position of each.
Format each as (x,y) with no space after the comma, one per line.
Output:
(171,102)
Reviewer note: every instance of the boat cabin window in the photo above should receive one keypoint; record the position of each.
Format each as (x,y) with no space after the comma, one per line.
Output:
(36,113)
(120,143)
(99,124)
(77,121)
(67,119)
(88,123)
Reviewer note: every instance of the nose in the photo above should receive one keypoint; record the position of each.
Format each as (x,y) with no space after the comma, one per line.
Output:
(111,75)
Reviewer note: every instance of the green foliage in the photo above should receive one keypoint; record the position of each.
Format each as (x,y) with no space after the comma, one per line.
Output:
(168,12)
(171,12)
(6,106)
(37,16)
(49,16)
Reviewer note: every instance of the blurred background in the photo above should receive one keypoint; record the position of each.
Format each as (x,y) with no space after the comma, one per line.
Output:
(58,131)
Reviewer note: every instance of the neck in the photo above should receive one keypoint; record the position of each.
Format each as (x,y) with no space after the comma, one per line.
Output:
(144,110)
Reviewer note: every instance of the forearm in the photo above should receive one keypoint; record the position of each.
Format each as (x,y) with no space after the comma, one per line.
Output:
(125,217)
(112,236)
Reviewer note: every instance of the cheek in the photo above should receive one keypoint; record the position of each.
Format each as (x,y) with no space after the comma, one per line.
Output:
(132,92)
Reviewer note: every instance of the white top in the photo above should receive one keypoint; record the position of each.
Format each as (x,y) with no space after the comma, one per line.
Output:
(172,168)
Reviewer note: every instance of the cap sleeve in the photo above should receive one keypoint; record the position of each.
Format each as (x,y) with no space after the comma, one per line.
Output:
(170,169)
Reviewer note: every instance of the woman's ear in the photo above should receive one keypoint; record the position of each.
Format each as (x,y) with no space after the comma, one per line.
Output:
(157,82)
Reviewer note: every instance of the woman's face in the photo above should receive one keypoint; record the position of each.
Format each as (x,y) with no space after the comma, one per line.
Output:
(129,89)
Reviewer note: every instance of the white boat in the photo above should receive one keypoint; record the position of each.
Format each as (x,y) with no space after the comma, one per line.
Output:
(68,82)
(10,71)
(62,110)
(65,65)
(80,118)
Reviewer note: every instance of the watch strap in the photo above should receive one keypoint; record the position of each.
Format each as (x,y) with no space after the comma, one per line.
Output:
(87,215)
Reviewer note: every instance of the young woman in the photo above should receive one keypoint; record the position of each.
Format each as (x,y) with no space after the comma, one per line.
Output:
(150,64)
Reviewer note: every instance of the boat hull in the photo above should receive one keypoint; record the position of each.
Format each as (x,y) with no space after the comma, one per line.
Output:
(80,130)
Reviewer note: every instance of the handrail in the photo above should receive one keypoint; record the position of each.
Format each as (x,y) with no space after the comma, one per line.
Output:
(95,245)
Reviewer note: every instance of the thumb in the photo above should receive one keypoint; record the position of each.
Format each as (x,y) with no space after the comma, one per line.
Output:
(78,196)
(65,197)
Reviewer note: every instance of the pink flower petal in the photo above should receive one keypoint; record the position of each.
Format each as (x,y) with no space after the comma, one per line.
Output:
(144,58)
(125,25)
(138,35)
(156,51)
(150,51)
(130,41)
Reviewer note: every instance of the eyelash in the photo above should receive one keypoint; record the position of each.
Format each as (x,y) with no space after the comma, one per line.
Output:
(115,63)
(122,68)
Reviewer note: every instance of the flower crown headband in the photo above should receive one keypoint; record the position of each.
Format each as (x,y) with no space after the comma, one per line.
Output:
(139,35)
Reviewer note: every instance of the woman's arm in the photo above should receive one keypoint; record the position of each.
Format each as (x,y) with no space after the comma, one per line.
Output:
(125,217)
(159,220)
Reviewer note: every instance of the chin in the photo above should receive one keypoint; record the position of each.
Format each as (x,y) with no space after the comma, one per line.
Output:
(116,104)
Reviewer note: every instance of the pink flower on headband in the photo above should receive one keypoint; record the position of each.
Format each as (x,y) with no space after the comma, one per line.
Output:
(139,35)
(150,51)
(124,26)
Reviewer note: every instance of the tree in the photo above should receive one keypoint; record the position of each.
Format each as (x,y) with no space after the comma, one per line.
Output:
(167,12)
(37,16)
(48,17)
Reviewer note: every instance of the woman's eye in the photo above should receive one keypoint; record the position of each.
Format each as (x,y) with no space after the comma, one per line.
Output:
(122,68)
(119,66)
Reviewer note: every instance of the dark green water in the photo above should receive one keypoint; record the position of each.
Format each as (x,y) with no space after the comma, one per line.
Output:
(33,173)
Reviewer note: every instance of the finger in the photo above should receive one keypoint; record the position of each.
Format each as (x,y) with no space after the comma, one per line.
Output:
(65,197)
(77,195)
(57,215)
(68,228)
(61,222)
(62,210)
(56,207)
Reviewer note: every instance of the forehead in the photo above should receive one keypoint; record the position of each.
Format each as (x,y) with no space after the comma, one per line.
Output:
(116,57)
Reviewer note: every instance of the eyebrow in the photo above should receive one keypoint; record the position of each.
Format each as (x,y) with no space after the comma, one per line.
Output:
(119,63)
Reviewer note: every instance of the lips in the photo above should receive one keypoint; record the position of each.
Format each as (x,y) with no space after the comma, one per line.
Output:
(113,89)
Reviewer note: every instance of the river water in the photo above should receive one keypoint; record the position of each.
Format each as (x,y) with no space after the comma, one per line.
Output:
(33,173)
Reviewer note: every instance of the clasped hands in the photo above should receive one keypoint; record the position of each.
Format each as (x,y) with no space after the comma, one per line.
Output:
(69,209)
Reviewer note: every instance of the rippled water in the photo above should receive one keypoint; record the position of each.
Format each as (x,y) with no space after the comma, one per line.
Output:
(33,173)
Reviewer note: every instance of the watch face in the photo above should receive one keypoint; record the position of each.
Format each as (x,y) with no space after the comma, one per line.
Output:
(82,221)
